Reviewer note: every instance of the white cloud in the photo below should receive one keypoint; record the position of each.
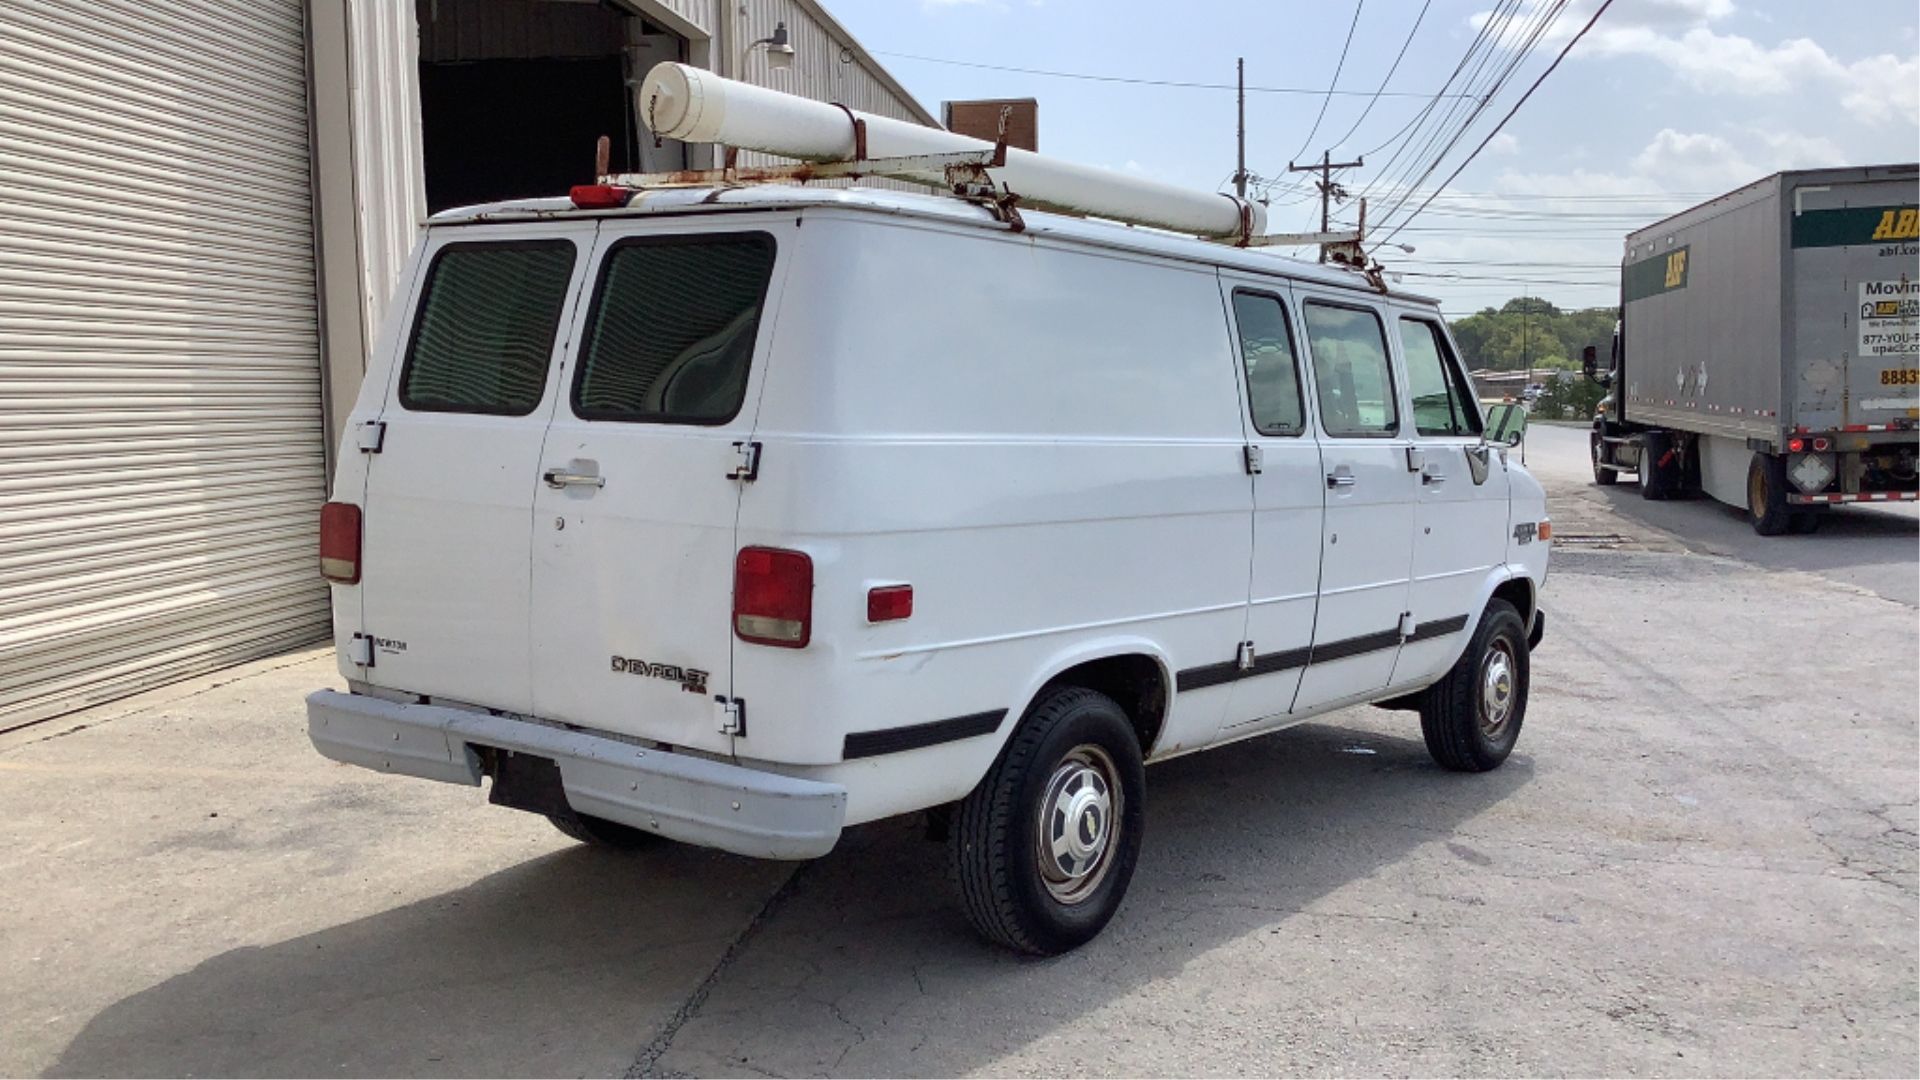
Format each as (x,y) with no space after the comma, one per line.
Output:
(1677,34)
(1503,143)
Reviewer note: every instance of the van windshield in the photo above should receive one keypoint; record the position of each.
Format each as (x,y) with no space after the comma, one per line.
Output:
(672,331)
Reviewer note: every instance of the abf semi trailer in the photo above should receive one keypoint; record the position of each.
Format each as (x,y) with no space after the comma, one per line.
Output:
(1769,348)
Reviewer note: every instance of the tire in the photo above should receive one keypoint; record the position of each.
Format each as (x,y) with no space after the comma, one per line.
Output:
(1806,522)
(1767,508)
(1075,752)
(1656,482)
(1598,449)
(600,832)
(1471,718)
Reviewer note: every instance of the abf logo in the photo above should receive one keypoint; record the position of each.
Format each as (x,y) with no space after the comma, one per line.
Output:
(1677,269)
(1898,225)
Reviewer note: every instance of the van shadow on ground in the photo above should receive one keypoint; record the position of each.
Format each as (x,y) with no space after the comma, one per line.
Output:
(537,969)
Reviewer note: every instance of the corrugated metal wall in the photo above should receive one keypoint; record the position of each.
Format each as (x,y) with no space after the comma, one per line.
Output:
(161,448)
(389,188)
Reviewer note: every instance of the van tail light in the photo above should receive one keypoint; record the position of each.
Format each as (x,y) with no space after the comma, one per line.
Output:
(889,603)
(773,597)
(340,543)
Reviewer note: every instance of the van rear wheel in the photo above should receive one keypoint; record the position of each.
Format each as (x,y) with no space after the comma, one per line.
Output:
(603,833)
(1471,718)
(1043,848)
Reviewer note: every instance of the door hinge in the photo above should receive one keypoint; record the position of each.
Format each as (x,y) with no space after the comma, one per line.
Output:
(732,715)
(746,461)
(1416,459)
(1406,624)
(1253,458)
(373,435)
(360,650)
(1244,658)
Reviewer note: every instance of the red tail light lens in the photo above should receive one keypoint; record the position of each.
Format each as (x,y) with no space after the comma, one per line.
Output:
(773,597)
(1796,445)
(599,196)
(340,543)
(889,603)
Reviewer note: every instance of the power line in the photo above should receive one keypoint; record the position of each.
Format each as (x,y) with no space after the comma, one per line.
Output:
(1604,5)
(1531,34)
(1136,81)
(1490,30)
(1395,66)
(1358,7)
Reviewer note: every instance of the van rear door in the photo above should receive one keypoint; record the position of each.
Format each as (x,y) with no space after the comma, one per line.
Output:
(633,550)
(449,495)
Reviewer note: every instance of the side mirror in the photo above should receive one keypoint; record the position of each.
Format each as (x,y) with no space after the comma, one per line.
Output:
(1590,361)
(1506,424)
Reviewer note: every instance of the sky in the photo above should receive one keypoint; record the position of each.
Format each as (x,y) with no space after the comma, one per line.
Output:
(1663,103)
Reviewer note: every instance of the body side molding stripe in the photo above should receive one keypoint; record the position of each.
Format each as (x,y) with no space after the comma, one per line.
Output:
(1199,678)
(862,744)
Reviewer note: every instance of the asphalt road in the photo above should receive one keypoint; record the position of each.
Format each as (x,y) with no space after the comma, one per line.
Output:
(1867,547)
(1700,861)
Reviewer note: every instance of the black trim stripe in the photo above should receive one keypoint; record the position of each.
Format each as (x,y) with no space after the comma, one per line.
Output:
(1199,678)
(1427,631)
(1347,648)
(862,744)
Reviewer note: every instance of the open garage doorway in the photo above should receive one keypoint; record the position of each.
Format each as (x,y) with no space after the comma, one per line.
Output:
(514,94)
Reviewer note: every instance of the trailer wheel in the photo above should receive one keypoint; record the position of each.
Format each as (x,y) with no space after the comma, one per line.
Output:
(1471,718)
(1043,848)
(1807,522)
(1656,480)
(1767,496)
(1602,477)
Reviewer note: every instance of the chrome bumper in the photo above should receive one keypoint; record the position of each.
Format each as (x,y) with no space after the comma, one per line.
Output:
(685,798)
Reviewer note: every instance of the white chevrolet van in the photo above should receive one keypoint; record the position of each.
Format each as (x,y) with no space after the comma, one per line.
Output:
(741,516)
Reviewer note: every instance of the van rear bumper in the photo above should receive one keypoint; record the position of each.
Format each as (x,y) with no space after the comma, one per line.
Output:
(685,798)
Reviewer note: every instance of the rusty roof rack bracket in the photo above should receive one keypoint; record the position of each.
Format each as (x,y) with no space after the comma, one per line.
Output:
(859,131)
(1000,139)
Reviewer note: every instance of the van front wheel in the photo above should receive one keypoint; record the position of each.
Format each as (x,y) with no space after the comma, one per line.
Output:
(1471,718)
(1044,846)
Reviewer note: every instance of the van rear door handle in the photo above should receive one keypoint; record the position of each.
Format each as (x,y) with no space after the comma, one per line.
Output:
(561,478)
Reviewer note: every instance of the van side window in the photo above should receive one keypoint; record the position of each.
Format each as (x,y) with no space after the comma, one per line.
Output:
(1443,402)
(672,329)
(1273,378)
(485,326)
(1351,372)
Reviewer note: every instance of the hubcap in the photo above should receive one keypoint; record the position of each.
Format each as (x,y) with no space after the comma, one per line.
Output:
(1498,689)
(1079,818)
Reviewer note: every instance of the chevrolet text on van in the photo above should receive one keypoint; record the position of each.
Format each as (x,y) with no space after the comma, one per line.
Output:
(739,514)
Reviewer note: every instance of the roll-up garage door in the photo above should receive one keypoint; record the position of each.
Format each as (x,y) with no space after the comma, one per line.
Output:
(161,441)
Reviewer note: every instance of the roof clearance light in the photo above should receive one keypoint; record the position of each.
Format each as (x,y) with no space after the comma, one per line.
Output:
(599,196)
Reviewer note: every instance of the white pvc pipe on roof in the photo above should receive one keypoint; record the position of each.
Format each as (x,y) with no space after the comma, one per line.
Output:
(691,105)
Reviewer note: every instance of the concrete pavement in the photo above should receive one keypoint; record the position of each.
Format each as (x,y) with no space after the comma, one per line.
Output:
(1701,861)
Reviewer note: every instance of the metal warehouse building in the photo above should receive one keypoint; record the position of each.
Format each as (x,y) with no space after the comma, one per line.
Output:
(204,207)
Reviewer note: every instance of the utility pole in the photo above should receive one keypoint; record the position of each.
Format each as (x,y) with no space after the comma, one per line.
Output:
(1240,166)
(1329,190)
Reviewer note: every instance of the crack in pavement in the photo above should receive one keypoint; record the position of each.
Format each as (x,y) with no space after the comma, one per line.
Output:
(649,1057)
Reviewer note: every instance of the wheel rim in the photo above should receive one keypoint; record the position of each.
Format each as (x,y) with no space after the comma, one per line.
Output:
(1499,689)
(1078,823)
(1757,493)
(1594,444)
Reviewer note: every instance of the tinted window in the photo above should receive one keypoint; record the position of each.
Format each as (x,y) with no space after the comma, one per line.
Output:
(1443,402)
(672,329)
(484,331)
(1350,371)
(1273,378)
